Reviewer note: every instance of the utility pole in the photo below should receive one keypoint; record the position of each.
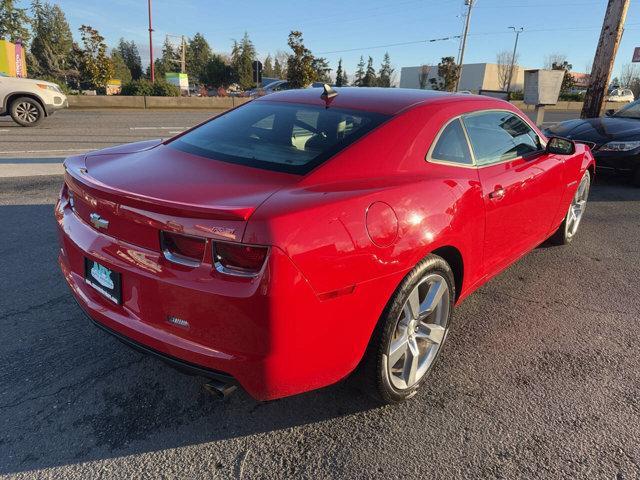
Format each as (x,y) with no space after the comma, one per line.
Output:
(469,4)
(610,36)
(517,31)
(152,66)
(183,56)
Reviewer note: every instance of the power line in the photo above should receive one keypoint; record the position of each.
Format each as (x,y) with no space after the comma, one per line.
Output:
(392,45)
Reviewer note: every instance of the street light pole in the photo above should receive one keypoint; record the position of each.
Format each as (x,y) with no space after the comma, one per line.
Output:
(518,31)
(152,66)
(469,4)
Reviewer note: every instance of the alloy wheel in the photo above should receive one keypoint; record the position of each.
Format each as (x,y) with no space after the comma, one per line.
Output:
(577,207)
(420,332)
(27,112)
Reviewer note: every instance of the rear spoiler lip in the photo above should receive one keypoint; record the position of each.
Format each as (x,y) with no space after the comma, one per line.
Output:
(81,177)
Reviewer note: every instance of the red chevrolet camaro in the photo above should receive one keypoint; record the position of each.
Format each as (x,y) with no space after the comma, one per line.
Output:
(306,235)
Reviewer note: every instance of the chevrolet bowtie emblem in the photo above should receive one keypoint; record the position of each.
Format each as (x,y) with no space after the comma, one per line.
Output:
(97,221)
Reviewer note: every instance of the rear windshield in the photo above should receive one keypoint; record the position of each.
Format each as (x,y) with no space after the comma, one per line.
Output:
(278,136)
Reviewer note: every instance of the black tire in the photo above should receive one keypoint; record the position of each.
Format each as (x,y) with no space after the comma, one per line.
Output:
(373,375)
(26,111)
(565,234)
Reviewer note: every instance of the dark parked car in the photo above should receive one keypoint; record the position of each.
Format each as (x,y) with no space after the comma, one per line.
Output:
(614,139)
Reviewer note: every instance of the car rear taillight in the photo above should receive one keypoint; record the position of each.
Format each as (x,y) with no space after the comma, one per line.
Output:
(182,249)
(238,259)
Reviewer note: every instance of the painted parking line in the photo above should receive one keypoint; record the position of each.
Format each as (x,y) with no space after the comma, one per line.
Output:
(44,152)
(158,128)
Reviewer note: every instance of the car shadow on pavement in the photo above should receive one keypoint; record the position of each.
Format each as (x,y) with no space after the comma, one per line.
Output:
(612,188)
(70,392)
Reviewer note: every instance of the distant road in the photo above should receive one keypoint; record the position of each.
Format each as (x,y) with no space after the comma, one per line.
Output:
(70,132)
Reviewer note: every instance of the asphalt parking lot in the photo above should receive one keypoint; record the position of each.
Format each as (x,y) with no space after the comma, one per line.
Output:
(540,378)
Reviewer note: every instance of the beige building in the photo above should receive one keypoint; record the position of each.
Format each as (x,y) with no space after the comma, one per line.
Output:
(475,77)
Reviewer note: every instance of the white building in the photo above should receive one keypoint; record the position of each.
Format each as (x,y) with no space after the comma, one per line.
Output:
(475,76)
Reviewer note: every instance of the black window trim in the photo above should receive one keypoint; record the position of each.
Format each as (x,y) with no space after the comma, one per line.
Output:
(474,164)
(530,155)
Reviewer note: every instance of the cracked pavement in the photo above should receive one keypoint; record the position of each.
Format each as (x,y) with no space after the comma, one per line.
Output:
(540,378)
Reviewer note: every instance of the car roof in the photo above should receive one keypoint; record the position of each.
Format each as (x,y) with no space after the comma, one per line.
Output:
(388,101)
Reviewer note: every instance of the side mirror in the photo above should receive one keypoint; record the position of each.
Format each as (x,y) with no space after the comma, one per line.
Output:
(561,146)
(609,112)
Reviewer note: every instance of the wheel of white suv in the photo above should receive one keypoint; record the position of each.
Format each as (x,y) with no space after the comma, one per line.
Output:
(567,231)
(26,111)
(410,333)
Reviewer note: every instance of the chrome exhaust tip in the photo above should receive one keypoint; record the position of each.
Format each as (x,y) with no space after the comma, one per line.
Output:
(220,390)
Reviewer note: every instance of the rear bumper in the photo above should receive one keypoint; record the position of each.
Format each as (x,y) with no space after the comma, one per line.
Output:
(273,334)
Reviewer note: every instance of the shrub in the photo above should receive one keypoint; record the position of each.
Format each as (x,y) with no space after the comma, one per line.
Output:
(145,87)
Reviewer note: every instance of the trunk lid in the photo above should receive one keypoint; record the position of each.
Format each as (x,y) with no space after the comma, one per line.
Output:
(158,188)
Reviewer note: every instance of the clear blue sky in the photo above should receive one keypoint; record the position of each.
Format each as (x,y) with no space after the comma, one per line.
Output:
(569,27)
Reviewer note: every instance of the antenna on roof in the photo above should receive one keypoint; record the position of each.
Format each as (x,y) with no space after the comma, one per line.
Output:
(328,92)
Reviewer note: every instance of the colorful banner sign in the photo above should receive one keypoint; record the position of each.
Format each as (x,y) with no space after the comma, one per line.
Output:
(12,59)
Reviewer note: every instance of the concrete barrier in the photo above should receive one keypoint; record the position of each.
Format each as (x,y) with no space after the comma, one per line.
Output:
(117,101)
(88,101)
(225,103)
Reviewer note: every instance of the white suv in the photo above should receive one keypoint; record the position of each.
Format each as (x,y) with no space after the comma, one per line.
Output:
(620,95)
(29,101)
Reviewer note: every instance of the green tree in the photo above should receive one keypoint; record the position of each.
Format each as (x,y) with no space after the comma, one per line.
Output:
(280,64)
(370,79)
(340,80)
(167,62)
(131,56)
(300,71)
(322,70)
(386,72)
(568,82)
(267,67)
(198,56)
(243,53)
(219,73)
(448,71)
(120,69)
(14,22)
(359,78)
(52,41)
(95,67)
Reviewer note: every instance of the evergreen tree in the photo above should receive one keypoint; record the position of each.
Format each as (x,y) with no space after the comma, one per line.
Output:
(52,41)
(386,71)
(322,70)
(267,68)
(120,69)
(340,81)
(14,22)
(568,82)
(131,56)
(359,78)
(95,67)
(300,71)
(277,69)
(198,56)
(167,62)
(218,72)
(281,59)
(369,79)
(243,54)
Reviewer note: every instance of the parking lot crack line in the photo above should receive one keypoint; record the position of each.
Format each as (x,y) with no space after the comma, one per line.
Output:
(49,303)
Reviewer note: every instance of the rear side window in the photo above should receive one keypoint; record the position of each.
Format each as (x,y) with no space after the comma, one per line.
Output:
(452,145)
(499,136)
(278,136)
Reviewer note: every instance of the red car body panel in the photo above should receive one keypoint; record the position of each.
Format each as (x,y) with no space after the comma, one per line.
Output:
(341,238)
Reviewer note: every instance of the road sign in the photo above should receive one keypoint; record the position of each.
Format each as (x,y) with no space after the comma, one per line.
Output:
(636,55)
